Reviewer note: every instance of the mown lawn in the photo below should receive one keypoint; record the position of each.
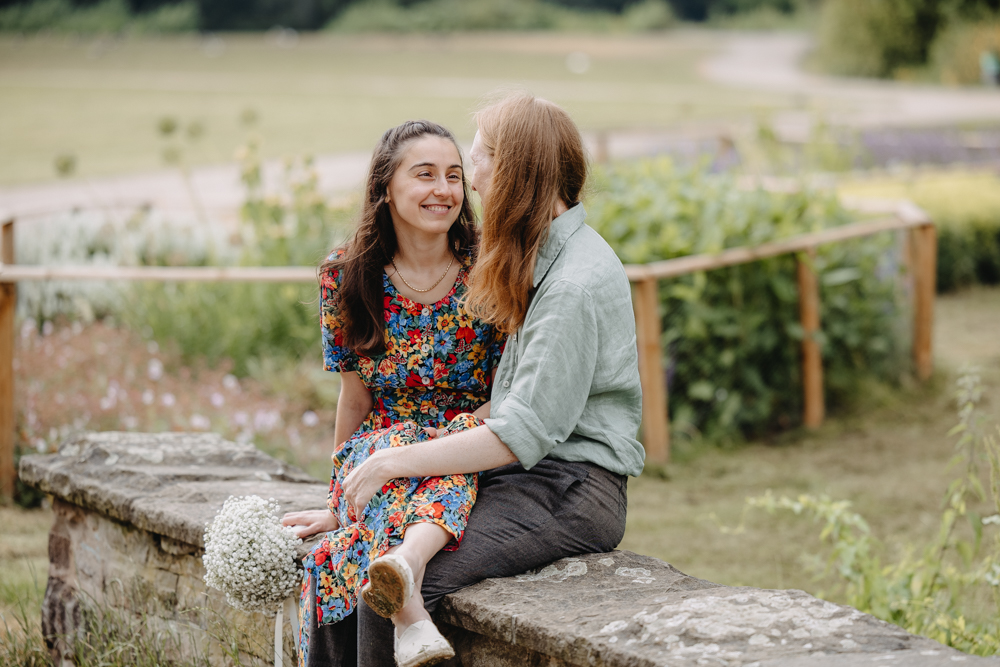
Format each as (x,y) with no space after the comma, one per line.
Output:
(100,99)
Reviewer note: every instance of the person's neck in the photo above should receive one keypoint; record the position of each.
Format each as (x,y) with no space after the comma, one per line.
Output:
(561,208)
(422,252)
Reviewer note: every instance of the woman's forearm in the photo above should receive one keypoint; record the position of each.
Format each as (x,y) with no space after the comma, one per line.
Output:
(466,452)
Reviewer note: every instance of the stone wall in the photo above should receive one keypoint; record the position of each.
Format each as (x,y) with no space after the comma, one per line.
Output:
(130,511)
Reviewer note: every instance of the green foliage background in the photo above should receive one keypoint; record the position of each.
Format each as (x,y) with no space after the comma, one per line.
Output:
(87,16)
(252,322)
(887,38)
(731,337)
(968,254)
(104,16)
(965,206)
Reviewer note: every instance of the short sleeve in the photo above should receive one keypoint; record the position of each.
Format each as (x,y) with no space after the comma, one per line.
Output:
(336,357)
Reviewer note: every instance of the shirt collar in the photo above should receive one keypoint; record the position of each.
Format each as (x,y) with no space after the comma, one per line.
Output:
(560,229)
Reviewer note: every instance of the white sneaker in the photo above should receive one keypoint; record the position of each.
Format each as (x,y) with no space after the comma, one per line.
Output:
(390,585)
(421,645)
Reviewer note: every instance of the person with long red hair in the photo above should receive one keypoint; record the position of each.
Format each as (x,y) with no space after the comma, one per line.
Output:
(560,439)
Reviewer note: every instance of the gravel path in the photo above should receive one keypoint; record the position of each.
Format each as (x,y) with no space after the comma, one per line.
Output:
(771,62)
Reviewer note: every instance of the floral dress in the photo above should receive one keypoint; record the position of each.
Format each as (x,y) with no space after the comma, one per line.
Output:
(437,368)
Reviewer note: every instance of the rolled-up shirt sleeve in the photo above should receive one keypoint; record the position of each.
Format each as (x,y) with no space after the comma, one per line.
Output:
(553,374)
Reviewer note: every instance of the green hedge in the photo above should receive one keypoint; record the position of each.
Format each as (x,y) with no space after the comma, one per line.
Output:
(965,205)
(462,15)
(885,38)
(731,337)
(968,254)
(105,16)
(876,38)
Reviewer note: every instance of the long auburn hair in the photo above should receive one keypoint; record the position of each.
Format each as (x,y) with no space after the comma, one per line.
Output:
(538,160)
(362,260)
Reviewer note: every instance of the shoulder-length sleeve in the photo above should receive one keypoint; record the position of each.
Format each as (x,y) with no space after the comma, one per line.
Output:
(336,357)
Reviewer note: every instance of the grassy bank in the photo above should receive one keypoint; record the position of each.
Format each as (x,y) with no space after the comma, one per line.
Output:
(100,99)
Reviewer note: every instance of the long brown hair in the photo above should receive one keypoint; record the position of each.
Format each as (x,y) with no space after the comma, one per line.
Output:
(362,259)
(538,160)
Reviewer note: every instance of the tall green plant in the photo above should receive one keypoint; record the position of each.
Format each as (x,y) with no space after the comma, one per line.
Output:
(731,337)
(948,589)
(248,321)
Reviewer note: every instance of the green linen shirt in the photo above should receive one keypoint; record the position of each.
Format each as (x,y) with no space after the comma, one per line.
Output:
(567,386)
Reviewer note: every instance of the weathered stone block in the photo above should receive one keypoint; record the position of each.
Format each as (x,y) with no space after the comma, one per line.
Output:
(130,512)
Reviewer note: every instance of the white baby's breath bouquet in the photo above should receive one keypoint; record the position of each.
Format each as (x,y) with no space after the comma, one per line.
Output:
(250,556)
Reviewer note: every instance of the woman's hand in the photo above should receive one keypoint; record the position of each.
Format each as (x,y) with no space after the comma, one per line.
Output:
(366,480)
(310,522)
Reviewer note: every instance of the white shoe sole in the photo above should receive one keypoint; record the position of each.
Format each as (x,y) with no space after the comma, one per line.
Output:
(427,658)
(423,644)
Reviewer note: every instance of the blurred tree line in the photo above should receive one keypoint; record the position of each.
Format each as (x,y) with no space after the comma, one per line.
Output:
(885,38)
(315,14)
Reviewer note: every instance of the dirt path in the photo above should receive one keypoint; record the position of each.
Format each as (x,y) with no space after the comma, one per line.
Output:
(217,189)
(772,62)
(967,330)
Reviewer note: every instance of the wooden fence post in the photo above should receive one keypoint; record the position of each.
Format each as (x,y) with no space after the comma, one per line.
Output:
(8,303)
(655,429)
(923,264)
(814,408)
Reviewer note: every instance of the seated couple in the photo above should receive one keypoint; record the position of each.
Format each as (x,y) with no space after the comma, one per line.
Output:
(505,360)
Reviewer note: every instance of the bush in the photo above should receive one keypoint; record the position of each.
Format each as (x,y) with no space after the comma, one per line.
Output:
(265,14)
(866,38)
(450,16)
(966,207)
(956,52)
(968,254)
(731,337)
(650,15)
(107,16)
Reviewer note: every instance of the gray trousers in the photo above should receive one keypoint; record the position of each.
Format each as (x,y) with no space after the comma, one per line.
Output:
(522,519)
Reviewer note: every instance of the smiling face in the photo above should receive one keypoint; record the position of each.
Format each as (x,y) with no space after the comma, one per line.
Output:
(426,191)
(482,167)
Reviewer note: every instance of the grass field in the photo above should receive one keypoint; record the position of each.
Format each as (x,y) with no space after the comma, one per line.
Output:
(889,457)
(100,99)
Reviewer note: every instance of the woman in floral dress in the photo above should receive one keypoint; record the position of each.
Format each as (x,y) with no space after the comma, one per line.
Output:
(424,366)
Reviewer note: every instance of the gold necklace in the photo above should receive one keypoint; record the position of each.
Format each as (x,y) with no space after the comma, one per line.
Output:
(436,283)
